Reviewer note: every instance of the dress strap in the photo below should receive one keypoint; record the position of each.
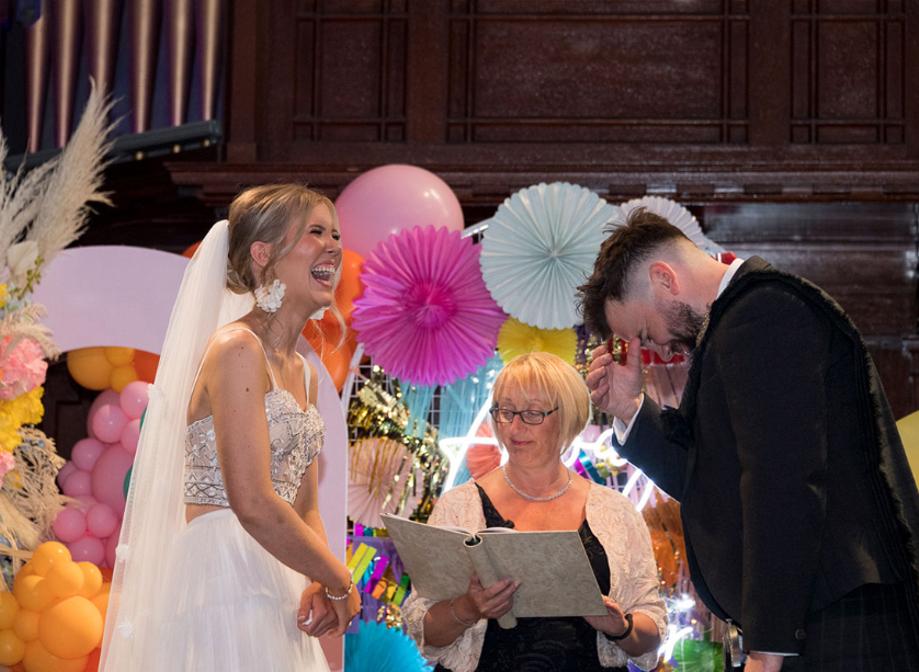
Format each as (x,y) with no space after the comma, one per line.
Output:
(274,382)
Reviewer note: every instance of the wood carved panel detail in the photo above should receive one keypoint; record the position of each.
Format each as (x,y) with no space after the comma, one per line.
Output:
(661,72)
(351,70)
(848,61)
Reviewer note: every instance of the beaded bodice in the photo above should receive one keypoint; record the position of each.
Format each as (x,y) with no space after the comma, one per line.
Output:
(296,437)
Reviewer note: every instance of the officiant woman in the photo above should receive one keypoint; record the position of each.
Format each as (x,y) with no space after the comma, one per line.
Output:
(540,405)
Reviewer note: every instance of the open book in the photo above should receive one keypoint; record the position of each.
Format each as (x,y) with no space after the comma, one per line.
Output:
(555,576)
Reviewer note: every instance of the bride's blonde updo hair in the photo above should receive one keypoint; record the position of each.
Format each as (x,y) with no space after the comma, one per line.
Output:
(263,214)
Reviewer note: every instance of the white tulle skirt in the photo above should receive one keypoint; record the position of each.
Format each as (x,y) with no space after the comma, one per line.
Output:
(230,606)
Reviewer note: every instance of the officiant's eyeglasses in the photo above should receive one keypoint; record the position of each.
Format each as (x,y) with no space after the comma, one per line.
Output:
(506,416)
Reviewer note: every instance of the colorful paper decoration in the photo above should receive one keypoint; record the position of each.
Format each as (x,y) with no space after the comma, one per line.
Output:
(425,315)
(539,247)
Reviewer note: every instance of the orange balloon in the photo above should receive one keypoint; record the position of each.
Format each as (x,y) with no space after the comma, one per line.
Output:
(119,356)
(121,376)
(12,649)
(47,554)
(25,570)
(92,664)
(9,607)
(145,364)
(65,579)
(71,628)
(190,250)
(25,625)
(34,594)
(89,367)
(350,286)
(92,579)
(337,363)
(39,659)
(100,601)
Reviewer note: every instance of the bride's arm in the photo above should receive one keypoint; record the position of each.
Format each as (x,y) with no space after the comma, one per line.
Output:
(236,383)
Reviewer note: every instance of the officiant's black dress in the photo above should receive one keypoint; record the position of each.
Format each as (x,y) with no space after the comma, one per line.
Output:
(545,644)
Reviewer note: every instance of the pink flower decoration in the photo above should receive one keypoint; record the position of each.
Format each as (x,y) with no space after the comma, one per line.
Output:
(425,314)
(23,369)
(7,462)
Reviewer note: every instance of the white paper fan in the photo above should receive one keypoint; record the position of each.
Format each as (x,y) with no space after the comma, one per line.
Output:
(537,249)
(677,215)
(374,464)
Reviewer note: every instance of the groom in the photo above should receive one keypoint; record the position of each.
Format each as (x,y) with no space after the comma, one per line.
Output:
(800,513)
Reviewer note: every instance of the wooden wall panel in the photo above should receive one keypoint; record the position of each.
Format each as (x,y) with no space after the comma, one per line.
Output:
(790,127)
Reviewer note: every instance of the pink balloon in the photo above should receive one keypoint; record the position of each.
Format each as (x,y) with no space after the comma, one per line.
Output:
(64,473)
(110,545)
(108,423)
(89,549)
(130,435)
(108,477)
(101,521)
(391,198)
(69,525)
(134,399)
(105,398)
(86,452)
(77,484)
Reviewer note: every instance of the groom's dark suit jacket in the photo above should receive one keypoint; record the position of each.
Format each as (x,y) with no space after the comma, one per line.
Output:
(795,488)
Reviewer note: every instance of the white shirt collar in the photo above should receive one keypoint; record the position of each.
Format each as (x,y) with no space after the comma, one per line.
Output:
(728,276)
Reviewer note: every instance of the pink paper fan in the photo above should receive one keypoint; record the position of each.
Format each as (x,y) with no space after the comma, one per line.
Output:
(425,315)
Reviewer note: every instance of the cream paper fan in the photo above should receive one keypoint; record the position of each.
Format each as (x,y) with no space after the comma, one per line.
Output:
(539,246)
(674,213)
(379,471)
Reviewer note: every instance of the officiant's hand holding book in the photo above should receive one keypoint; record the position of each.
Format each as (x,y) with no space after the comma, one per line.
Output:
(554,575)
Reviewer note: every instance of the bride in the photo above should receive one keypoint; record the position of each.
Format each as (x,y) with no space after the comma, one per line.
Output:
(223,563)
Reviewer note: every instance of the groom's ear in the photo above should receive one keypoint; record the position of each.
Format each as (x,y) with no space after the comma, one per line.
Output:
(665,283)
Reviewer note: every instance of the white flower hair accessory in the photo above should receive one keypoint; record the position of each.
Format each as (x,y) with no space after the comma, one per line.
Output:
(269,298)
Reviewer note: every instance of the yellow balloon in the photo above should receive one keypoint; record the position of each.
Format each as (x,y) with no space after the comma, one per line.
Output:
(47,554)
(121,376)
(909,434)
(34,594)
(9,607)
(119,356)
(38,659)
(12,649)
(89,367)
(101,602)
(92,579)
(71,628)
(65,579)
(25,625)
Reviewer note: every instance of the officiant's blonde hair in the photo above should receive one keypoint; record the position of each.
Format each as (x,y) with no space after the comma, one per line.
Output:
(561,384)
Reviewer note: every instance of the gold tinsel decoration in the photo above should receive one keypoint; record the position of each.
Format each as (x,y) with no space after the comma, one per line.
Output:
(377,413)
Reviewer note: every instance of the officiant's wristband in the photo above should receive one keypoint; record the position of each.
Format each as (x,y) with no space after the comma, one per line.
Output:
(457,618)
(628,630)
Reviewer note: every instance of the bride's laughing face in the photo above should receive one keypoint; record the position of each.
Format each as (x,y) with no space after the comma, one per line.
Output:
(311,268)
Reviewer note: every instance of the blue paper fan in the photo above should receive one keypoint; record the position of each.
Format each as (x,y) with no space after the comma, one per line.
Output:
(376,648)
(537,249)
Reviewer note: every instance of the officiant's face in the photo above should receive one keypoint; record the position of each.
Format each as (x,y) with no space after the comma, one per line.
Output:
(527,443)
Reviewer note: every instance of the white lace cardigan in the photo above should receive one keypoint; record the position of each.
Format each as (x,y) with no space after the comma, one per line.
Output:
(633,575)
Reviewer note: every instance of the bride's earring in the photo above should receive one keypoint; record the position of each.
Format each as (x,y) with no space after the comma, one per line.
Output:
(269,298)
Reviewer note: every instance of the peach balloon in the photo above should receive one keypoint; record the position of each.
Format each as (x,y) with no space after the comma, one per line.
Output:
(71,628)
(12,649)
(64,579)
(47,554)
(38,659)
(33,593)
(9,607)
(25,625)
(92,579)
